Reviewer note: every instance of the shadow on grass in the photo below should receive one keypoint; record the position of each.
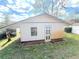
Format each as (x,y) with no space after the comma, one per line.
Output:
(5,43)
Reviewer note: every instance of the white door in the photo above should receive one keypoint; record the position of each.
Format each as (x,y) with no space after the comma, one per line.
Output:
(47,33)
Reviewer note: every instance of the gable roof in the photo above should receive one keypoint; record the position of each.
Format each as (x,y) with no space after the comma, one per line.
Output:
(73,21)
(40,18)
(44,18)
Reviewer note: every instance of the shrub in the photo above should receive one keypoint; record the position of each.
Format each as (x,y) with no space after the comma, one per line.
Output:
(2,35)
(68,29)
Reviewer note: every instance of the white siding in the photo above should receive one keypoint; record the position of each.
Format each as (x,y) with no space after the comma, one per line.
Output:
(75,29)
(26,30)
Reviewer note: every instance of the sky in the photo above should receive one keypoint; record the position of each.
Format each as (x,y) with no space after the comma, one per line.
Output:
(22,9)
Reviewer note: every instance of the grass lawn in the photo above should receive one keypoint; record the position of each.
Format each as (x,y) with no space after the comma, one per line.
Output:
(68,49)
(4,43)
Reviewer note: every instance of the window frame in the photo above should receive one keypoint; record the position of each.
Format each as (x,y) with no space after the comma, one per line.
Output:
(33,31)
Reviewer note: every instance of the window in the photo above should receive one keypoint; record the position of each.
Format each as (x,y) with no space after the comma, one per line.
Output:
(33,31)
(47,30)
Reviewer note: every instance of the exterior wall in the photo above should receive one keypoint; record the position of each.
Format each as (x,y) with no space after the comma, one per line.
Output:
(58,34)
(26,32)
(56,31)
(75,29)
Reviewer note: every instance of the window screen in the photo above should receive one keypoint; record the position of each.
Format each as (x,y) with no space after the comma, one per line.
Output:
(33,31)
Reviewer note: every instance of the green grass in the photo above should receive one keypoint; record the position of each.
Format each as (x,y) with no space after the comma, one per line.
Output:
(72,36)
(68,49)
(2,42)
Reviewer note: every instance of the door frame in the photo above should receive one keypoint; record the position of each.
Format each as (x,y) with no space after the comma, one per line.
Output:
(47,33)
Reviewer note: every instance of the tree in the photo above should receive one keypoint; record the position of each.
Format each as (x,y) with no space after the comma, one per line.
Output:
(57,6)
(6,19)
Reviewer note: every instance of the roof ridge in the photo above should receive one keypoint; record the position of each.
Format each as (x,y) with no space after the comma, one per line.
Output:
(33,17)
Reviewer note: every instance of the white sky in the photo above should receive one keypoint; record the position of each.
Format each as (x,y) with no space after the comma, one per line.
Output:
(20,5)
(75,3)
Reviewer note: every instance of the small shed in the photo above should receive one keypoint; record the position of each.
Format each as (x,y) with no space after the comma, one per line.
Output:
(43,27)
